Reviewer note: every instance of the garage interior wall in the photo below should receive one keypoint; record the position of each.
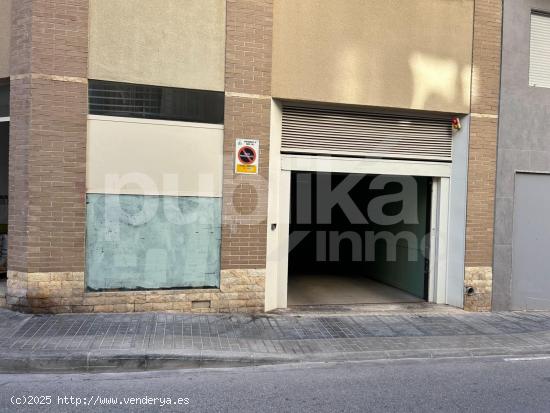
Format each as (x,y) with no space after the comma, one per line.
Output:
(342,52)
(5,35)
(408,271)
(153,204)
(178,43)
(361,248)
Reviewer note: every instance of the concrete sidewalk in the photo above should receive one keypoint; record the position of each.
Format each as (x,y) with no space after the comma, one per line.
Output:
(160,340)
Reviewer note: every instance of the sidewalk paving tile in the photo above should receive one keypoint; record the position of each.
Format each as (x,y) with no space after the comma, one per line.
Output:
(274,334)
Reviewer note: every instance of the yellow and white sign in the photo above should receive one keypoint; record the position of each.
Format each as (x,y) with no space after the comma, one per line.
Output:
(247,152)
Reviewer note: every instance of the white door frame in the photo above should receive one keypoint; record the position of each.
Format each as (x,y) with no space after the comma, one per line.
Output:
(280,168)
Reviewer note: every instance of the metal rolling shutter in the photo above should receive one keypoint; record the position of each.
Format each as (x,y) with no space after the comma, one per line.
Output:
(352,133)
(539,67)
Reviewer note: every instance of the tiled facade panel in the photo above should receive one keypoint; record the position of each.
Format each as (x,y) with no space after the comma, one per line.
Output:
(482,155)
(247,115)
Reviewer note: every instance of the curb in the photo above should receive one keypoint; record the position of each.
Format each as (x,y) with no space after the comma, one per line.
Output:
(48,362)
(123,361)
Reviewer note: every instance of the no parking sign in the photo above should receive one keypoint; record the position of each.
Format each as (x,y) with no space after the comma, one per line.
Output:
(246,156)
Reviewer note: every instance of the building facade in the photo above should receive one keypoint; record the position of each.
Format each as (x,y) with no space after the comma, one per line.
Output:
(250,155)
(521,232)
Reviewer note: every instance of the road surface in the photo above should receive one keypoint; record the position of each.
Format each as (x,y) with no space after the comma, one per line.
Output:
(454,385)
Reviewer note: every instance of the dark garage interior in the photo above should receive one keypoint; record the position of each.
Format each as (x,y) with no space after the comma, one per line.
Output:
(344,251)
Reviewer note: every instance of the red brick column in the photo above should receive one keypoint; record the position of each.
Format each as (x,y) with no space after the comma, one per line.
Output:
(48,81)
(483,153)
(247,115)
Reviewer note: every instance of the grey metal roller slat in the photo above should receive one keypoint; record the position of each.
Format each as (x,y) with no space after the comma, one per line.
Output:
(297,123)
(348,132)
(539,67)
(361,134)
(360,142)
(391,155)
(360,125)
(371,119)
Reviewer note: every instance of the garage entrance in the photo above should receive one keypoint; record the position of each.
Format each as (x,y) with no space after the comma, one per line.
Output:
(361,209)
(358,239)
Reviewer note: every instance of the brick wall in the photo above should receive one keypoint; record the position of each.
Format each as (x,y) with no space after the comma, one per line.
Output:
(48,135)
(247,115)
(482,153)
(48,166)
(48,91)
(20,111)
(48,146)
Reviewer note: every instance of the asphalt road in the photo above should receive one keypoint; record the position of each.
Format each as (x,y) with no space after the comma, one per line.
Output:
(483,385)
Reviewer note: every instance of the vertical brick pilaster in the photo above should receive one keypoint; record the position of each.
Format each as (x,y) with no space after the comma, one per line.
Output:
(48,90)
(247,115)
(482,152)
(20,113)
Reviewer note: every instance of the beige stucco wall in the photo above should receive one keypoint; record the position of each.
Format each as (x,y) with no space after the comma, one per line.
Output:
(149,157)
(5,27)
(390,53)
(176,43)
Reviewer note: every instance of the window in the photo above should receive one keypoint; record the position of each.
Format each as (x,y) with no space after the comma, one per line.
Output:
(4,100)
(155,102)
(539,66)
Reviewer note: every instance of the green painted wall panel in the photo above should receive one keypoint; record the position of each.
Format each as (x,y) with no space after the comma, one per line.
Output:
(151,242)
(407,271)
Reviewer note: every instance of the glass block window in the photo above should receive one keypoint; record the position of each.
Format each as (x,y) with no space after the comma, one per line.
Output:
(155,102)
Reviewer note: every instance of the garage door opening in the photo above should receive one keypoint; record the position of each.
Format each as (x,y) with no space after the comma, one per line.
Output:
(358,239)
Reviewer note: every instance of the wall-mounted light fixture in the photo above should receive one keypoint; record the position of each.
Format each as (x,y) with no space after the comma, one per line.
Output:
(456,124)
